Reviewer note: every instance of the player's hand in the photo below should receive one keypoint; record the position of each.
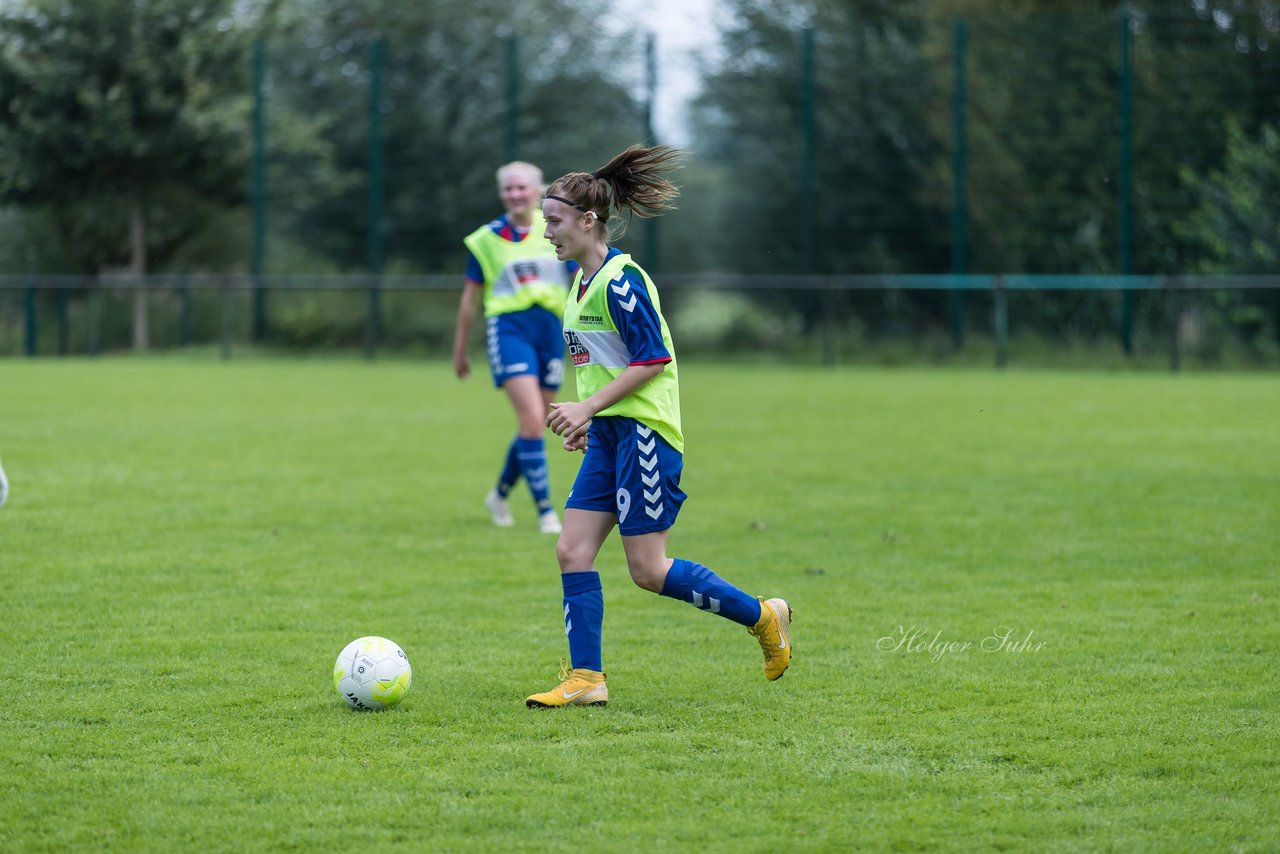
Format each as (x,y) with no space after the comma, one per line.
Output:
(462,365)
(569,420)
(578,443)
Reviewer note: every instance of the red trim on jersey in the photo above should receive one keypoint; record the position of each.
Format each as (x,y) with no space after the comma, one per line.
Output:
(661,361)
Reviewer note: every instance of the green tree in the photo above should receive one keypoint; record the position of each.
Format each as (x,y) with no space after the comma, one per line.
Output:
(126,119)
(443,116)
(869,147)
(846,199)
(1235,226)
(1236,222)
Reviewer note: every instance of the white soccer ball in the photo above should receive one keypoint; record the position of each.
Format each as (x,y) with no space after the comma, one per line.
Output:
(372,673)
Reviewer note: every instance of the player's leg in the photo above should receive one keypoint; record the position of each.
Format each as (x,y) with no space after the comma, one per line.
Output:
(588,518)
(531,448)
(768,620)
(547,339)
(649,499)
(496,500)
(582,682)
(514,363)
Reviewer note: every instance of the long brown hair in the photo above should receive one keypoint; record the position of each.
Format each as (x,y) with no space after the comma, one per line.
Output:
(632,180)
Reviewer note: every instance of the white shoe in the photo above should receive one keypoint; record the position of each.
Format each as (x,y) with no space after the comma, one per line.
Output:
(4,487)
(549,523)
(500,509)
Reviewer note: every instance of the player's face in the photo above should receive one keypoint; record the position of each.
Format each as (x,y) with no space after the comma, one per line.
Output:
(518,193)
(566,229)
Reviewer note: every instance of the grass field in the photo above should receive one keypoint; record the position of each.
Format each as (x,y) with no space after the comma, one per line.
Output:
(188,545)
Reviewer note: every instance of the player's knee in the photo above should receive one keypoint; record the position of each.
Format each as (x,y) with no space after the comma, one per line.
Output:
(573,557)
(648,574)
(531,423)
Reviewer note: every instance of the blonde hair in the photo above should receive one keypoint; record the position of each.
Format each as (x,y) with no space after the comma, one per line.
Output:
(633,180)
(533,172)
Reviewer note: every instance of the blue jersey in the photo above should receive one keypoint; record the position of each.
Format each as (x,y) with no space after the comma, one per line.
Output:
(636,318)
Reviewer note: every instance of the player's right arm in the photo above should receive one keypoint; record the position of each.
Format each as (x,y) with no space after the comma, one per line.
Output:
(472,289)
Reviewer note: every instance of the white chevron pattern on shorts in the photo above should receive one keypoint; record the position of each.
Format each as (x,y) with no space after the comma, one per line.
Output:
(648,460)
(622,292)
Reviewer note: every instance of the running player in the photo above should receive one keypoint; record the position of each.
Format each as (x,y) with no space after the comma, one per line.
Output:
(524,289)
(628,423)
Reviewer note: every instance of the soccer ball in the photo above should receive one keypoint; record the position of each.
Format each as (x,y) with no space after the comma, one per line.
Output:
(372,673)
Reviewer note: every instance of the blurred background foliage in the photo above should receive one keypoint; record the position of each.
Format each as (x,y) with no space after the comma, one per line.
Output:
(127,143)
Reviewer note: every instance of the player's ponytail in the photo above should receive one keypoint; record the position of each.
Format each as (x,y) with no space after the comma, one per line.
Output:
(632,180)
(635,180)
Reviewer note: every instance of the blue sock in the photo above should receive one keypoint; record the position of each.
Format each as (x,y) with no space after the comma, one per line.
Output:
(584,619)
(532,454)
(700,587)
(510,470)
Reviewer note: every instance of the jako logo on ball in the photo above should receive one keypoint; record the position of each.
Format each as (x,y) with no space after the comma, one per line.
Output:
(372,673)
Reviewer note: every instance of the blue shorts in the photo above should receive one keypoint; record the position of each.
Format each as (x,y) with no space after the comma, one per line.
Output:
(630,470)
(526,342)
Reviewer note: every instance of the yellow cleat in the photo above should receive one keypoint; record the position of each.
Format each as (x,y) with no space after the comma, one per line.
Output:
(773,632)
(578,687)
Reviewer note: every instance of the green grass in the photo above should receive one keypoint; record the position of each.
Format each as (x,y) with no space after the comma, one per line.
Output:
(188,545)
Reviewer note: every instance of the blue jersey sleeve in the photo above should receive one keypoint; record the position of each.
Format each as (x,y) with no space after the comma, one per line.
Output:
(474,273)
(637,320)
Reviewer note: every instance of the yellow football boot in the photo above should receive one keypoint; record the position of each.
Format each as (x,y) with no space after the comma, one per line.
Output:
(773,632)
(578,687)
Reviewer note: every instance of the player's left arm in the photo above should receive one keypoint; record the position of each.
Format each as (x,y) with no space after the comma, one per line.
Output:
(570,419)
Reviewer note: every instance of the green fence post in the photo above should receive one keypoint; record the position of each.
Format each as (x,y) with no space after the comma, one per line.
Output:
(651,85)
(95,315)
(31,317)
(830,337)
(1001,322)
(807,169)
(1124,192)
(808,181)
(959,166)
(62,321)
(184,312)
(375,200)
(225,350)
(258,192)
(513,98)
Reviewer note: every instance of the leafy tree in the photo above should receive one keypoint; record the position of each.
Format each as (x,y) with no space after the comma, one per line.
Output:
(1236,225)
(125,118)
(1236,222)
(443,115)
(846,200)
(869,148)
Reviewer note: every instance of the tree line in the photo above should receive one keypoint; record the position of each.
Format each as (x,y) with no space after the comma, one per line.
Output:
(825,138)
